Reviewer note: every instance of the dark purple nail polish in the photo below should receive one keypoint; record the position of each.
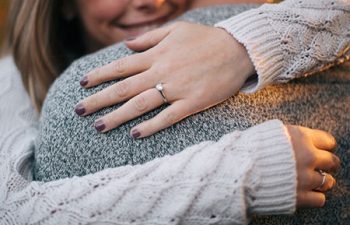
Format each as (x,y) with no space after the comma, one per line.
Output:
(99,125)
(79,109)
(135,133)
(84,81)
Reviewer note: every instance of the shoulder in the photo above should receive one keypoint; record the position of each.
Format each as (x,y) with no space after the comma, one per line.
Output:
(9,72)
(13,96)
(7,66)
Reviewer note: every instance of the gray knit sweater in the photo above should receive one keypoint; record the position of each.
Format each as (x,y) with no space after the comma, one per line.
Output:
(67,144)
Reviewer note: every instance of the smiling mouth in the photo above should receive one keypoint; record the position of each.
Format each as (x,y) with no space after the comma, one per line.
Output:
(133,30)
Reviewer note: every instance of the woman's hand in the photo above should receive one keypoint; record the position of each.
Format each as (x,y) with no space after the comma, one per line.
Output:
(313,150)
(199,67)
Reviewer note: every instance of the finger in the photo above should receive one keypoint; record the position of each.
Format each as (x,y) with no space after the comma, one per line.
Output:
(117,69)
(116,93)
(327,161)
(311,199)
(169,116)
(149,39)
(134,108)
(319,185)
(323,140)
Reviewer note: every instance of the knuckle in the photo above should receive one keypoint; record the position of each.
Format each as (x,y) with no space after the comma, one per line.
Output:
(304,180)
(311,158)
(111,120)
(161,50)
(170,118)
(96,75)
(305,135)
(297,133)
(163,67)
(140,104)
(120,65)
(121,89)
(152,38)
(92,101)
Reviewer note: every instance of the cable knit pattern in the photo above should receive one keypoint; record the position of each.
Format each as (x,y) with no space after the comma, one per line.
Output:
(292,39)
(205,184)
(145,194)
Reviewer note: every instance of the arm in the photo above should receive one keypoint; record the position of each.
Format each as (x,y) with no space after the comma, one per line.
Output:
(244,173)
(205,183)
(292,39)
(279,41)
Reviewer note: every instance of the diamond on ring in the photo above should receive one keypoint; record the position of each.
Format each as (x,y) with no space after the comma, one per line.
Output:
(160,88)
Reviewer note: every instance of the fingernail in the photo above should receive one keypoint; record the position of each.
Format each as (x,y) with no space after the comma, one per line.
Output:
(79,109)
(99,125)
(84,81)
(135,133)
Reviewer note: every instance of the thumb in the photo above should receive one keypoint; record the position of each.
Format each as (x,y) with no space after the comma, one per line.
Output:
(148,40)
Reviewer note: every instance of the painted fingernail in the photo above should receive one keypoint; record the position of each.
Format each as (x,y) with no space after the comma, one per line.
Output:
(80,109)
(135,133)
(99,125)
(84,81)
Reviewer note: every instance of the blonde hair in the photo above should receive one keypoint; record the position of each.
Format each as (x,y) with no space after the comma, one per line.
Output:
(37,39)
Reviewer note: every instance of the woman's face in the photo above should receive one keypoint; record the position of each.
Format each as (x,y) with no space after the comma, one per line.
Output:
(106,22)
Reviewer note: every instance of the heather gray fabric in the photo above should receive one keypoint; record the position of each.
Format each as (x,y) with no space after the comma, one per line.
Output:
(68,145)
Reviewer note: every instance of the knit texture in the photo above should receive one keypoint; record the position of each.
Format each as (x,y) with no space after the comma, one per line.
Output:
(61,149)
(67,143)
(94,199)
(204,184)
(292,39)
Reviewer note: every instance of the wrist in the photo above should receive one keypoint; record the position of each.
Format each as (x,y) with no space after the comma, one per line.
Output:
(240,58)
(273,180)
(247,63)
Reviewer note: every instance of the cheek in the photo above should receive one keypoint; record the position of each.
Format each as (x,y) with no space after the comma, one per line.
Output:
(97,17)
(101,10)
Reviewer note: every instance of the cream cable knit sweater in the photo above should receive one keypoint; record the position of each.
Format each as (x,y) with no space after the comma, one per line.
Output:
(207,183)
(218,181)
(292,39)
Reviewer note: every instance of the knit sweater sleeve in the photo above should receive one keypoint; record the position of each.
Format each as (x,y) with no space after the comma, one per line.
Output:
(292,39)
(251,171)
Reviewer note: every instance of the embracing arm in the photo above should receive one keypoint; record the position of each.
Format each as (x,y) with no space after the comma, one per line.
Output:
(212,181)
(244,173)
(282,41)
(205,183)
(292,39)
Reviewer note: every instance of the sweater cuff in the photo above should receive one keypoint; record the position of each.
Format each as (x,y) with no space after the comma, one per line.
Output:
(253,30)
(273,181)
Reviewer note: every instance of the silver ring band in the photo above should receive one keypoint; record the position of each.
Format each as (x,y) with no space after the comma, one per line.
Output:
(323,174)
(160,88)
